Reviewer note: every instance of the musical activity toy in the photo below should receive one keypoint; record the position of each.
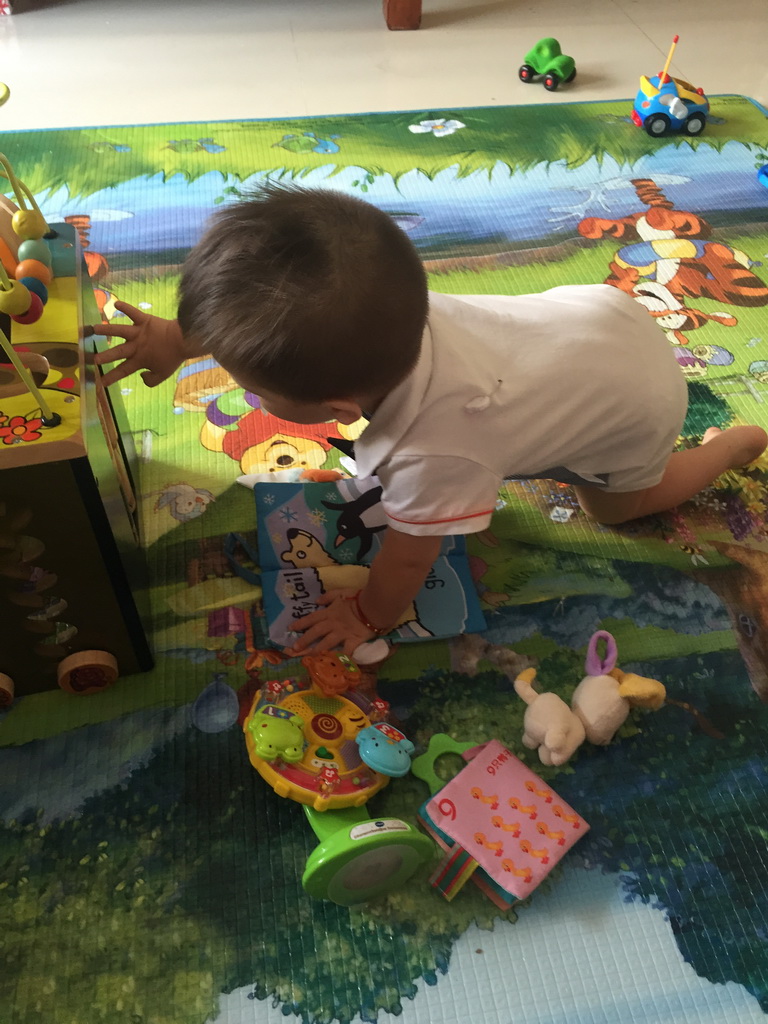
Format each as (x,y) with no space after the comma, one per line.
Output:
(322,740)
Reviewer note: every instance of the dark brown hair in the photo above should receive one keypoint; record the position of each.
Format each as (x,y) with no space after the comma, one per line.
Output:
(311,293)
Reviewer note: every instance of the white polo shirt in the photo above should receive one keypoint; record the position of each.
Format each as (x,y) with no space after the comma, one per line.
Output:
(576,384)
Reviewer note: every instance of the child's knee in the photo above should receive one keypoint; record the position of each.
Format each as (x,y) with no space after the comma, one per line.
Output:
(609,509)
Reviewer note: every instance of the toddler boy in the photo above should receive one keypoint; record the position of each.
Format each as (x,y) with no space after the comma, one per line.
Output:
(318,303)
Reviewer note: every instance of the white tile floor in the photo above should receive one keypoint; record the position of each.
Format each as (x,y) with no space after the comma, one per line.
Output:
(134,61)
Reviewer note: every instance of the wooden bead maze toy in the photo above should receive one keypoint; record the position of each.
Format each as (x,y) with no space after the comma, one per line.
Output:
(71,566)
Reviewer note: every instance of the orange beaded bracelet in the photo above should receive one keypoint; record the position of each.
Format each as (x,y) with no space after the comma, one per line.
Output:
(355,599)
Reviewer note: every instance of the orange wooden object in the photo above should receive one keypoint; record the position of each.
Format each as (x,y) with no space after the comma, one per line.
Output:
(402,14)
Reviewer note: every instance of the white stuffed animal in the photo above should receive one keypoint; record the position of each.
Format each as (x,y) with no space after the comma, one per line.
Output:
(549,723)
(604,697)
(599,706)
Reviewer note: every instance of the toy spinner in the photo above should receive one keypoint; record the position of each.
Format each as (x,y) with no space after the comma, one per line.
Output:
(323,742)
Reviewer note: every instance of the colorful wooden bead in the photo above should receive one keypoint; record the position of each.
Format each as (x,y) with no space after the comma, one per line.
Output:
(35,249)
(36,286)
(87,672)
(16,300)
(34,312)
(34,268)
(6,690)
(29,224)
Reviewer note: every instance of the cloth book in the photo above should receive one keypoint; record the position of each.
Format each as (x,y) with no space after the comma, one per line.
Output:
(315,537)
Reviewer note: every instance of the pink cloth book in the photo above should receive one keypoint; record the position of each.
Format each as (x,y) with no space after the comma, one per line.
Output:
(514,825)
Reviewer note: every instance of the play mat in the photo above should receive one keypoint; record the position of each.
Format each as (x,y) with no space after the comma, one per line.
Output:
(148,875)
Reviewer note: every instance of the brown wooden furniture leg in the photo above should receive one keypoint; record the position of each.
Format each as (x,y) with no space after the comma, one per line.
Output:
(402,14)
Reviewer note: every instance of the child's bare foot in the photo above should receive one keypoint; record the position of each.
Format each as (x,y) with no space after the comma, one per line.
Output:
(741,445)
(709,433)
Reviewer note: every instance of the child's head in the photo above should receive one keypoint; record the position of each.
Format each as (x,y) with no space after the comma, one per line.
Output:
(306,294)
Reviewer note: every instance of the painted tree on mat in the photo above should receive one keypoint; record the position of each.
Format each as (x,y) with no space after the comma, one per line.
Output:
(85,160)
(682,816)
(91,919)
(151,903)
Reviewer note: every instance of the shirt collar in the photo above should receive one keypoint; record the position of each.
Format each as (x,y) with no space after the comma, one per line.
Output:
(393,417)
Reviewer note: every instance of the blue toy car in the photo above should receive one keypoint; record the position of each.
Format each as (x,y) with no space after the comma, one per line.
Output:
(673,106)
(666,104)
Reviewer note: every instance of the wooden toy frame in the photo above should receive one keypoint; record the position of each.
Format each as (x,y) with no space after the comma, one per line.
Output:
(71,565)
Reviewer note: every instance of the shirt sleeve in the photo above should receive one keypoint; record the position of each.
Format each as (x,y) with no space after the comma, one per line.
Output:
(437,495)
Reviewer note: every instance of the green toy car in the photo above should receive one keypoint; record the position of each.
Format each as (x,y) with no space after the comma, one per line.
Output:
(548,60)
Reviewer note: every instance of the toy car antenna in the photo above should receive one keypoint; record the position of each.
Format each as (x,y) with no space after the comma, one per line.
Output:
(664,77)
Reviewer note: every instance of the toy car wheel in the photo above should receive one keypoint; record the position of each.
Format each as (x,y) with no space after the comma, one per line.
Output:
(551,81)
(695,124)
(571,77)
(656,124)
(526,73)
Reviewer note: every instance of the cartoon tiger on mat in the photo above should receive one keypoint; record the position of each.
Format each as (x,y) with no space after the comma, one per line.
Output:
(669,256)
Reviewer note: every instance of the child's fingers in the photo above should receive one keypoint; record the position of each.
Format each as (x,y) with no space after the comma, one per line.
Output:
(137,315)
(335,595)
(118,373)
(328,643)
(152,378)
(111,330)
(311,634)
(309,620)
(350,646)
(323,614)
(112,355)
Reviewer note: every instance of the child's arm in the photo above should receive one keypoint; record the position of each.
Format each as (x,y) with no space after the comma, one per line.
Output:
(397,574)
(151,344)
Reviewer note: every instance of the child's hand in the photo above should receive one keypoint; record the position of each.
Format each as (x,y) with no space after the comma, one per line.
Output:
(397,573)
(151,344)
(335,625)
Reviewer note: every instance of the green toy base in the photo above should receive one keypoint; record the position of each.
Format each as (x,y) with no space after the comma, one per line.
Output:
(361,859)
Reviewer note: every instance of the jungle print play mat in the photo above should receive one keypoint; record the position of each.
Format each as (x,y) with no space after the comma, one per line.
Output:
(148,875)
